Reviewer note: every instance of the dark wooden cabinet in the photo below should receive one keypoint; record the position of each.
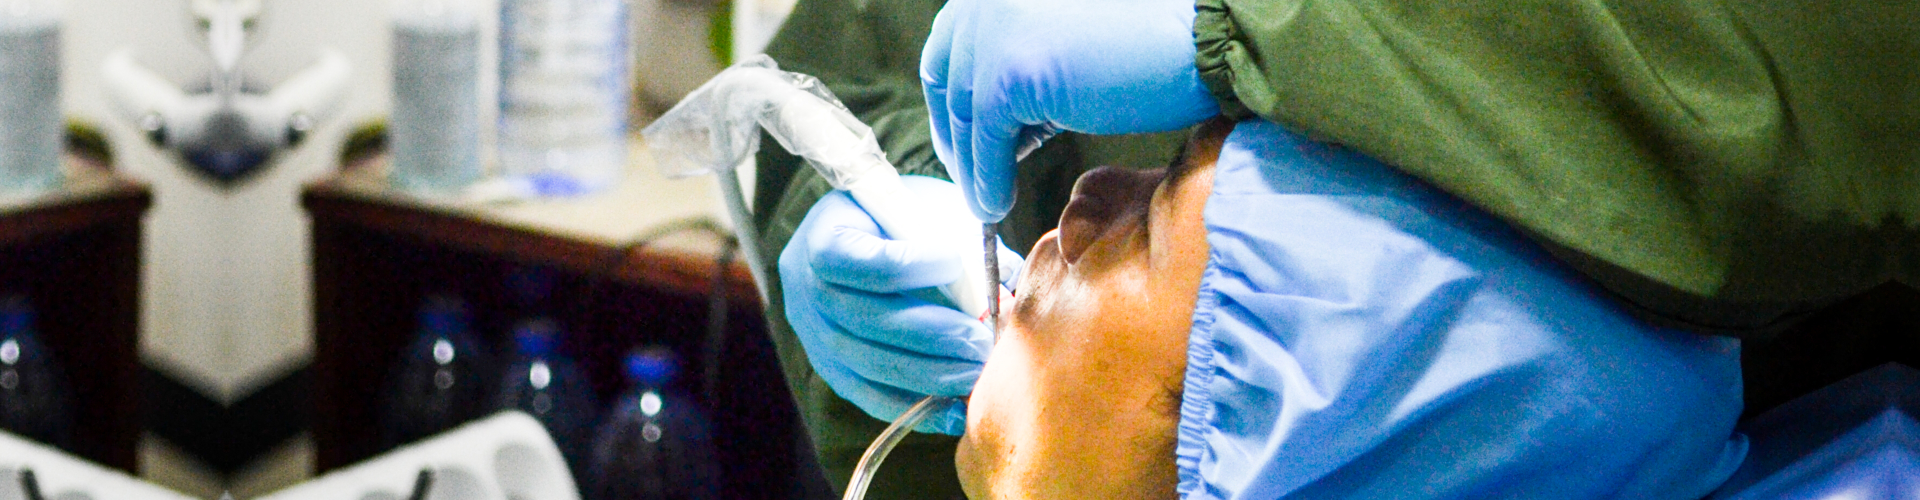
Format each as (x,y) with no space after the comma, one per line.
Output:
(75,254)
(377,254)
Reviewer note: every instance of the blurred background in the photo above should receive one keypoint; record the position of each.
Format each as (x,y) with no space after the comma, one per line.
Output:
(251,311)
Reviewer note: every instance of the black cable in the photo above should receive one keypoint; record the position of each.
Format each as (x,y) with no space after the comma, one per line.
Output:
(30,485)
(625,252)
(421,483)
(717,321)
(716,303)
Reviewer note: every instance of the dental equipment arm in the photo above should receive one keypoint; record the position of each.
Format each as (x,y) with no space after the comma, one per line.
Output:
(176,120)
(226,132)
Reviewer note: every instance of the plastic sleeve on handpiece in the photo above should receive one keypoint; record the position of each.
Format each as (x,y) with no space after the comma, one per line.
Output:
(724,116)
(717,126)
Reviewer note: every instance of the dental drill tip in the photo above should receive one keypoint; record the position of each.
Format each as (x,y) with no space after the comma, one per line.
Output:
(992,241)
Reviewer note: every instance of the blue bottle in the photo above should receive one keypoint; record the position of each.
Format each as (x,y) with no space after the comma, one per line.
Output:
(441,379)
(550,387)
(34,401)
(657,444)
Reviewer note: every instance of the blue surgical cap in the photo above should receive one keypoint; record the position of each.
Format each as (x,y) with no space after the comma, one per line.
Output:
(1360,335)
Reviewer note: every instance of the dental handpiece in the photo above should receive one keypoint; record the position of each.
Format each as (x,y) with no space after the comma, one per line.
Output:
(992,238)
(877,452)
(718,126)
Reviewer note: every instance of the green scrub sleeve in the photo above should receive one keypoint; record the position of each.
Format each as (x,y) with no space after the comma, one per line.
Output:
(1720,165)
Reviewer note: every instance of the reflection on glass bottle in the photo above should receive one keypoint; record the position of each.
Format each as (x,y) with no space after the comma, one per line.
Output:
(33,396)
(549,386)
(440,379)
(657,443)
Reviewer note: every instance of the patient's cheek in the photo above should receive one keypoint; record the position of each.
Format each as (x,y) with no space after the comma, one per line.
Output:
(999,414)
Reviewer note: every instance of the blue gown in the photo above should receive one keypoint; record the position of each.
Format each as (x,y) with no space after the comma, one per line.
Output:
(1360,335)
(1854,439)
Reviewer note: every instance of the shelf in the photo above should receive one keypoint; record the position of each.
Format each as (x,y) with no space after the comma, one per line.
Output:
(74,252)
(600,234)
(622,282)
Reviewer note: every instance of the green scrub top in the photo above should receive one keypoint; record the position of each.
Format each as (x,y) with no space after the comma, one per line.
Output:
(1726,166)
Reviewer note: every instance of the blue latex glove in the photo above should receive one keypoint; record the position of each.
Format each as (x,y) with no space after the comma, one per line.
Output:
(861,306)
(1003,75)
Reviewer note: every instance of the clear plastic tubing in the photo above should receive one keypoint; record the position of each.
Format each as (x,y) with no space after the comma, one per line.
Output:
(877,452)
(563,93)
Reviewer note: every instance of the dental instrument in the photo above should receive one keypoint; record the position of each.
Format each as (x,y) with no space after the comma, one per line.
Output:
(992,265)
(717,127)
(882,445)
(229,132)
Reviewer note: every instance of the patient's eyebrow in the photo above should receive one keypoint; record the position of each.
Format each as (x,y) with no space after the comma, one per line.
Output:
(1178,169)
(1205,142)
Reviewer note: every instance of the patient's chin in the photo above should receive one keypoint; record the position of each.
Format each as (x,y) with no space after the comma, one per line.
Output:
(970,462)
(994,414)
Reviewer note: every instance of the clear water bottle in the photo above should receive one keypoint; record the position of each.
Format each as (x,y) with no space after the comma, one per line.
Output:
(563,93)
(441,379)
(34,401)
(551,387)
(657,444)
(30,120)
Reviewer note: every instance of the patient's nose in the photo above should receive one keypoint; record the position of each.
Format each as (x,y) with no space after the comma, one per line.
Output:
(1105,200)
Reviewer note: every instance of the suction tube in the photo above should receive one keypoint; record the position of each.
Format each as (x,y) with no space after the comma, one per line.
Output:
(877,452)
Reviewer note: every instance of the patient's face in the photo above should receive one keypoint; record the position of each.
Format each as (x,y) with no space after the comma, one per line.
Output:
(1081,396)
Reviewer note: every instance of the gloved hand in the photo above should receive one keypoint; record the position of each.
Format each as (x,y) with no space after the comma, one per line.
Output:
(861,305)
(1002,75)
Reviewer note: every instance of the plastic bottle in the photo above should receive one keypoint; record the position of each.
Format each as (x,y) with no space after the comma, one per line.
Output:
(563,94)
(441,379)
(34,400)
(30,120)
(436,111)
(531,288)
(656,444)
(551,387)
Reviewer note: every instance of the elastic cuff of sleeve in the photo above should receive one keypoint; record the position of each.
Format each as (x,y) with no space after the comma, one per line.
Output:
(1214,36)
